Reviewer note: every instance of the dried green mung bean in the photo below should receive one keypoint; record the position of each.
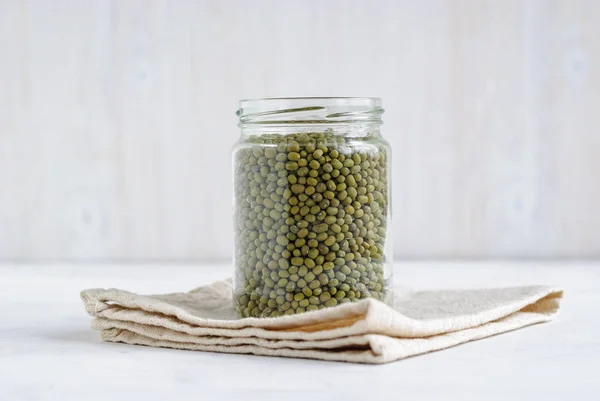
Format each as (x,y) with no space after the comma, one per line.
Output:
(310,218)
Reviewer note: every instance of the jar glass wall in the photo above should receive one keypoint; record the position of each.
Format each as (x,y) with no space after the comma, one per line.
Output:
(312,205)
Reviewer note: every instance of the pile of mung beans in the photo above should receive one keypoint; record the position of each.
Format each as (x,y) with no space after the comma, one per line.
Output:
(310,222)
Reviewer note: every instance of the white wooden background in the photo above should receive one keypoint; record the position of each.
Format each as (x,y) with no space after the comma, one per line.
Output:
(117,117)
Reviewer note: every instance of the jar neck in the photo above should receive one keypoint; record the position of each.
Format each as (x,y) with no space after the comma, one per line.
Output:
(354,130)
(340,116)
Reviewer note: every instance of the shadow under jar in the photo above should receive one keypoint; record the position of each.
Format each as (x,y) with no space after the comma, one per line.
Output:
(312,204)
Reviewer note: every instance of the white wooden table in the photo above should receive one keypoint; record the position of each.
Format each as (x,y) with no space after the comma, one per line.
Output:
(48,351)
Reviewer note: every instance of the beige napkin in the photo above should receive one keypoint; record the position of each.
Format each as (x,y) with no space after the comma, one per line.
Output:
(368,331)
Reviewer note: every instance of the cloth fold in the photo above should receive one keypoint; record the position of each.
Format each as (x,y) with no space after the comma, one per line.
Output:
(368,331)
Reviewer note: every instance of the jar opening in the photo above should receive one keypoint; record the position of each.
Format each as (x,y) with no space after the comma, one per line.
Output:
(309,110)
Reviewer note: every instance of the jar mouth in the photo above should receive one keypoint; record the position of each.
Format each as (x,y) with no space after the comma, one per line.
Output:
(309,110)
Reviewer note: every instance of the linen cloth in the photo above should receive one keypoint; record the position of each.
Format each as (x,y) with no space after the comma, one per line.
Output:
(368,331)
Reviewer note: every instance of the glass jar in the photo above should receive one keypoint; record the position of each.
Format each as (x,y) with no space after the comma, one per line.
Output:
(312,205)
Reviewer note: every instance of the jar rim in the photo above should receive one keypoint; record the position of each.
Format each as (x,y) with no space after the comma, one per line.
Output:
(309,110)
(337,99)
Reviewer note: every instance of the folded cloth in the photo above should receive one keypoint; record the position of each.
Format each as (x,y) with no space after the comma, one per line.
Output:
(368,331)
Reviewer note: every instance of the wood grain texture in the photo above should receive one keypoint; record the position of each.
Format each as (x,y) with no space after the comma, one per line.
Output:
(117,118)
